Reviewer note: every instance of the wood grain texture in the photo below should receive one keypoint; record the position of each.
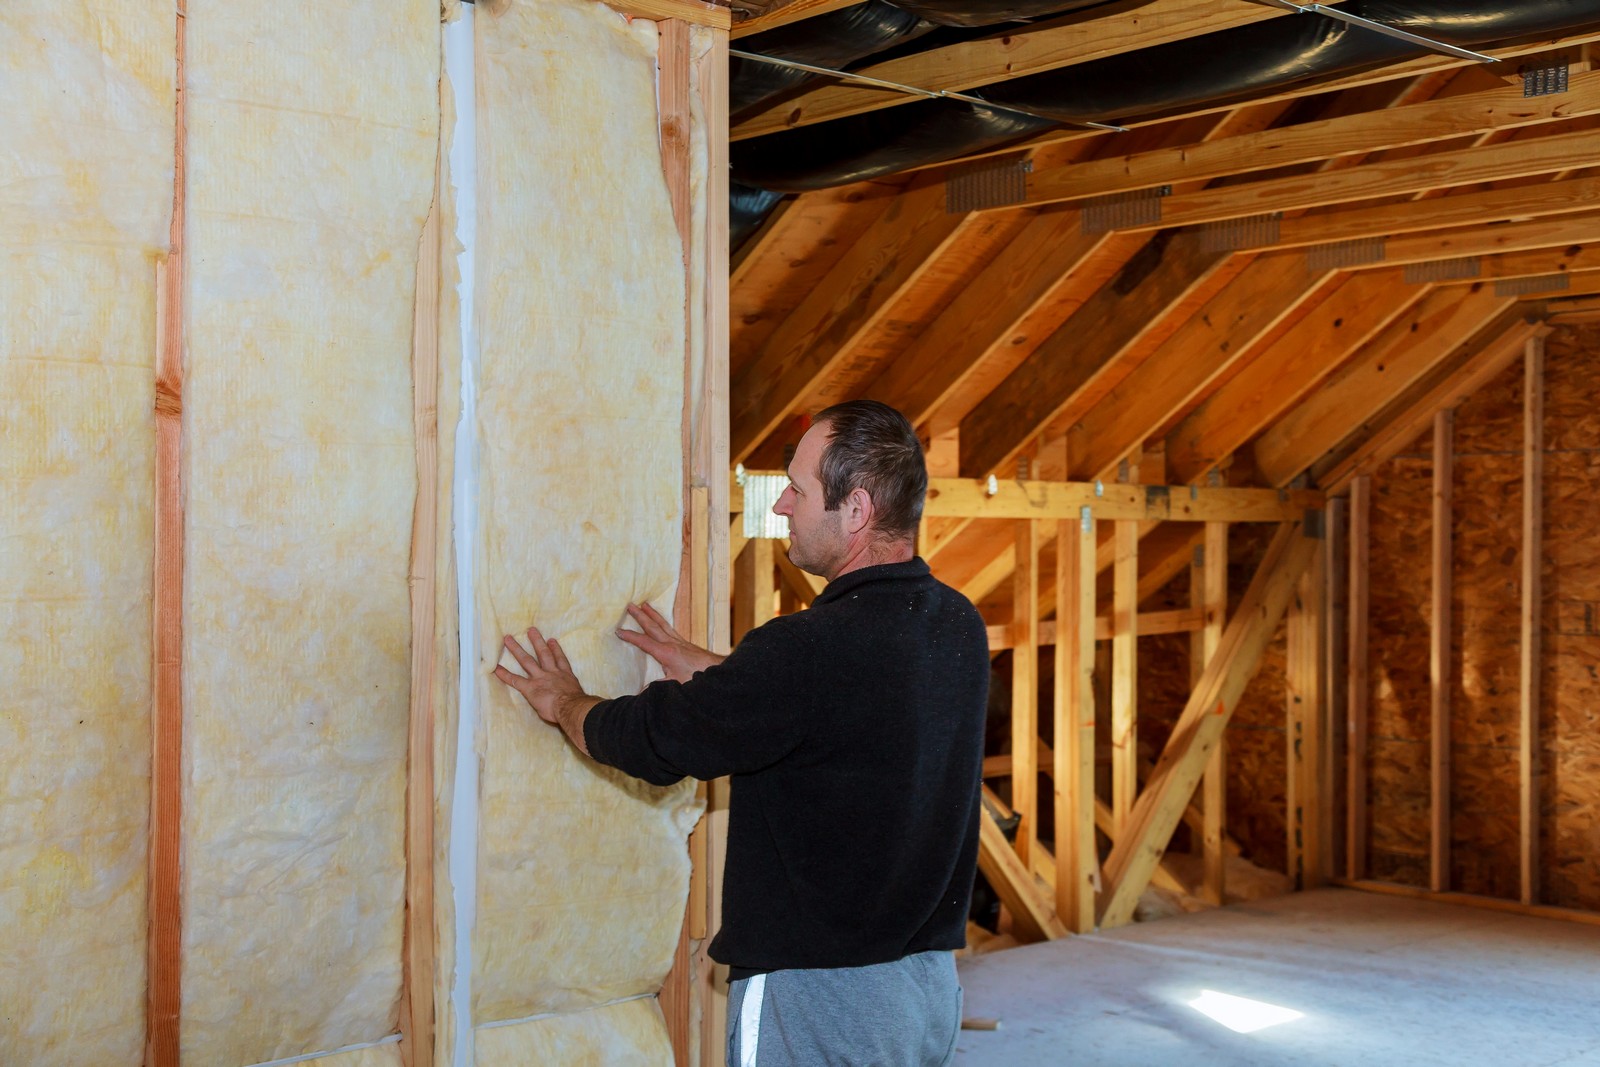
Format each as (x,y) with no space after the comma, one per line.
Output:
(1440,662)
(1358,682)
(1532,600)
(165,994)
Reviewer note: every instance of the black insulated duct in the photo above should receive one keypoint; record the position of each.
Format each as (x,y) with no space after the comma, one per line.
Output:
(834,40)
(1219,68)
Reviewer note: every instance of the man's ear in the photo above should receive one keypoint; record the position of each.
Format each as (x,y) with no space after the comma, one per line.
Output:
(857,511)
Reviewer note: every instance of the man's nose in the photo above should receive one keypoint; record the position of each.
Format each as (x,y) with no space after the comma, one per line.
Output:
(781,505)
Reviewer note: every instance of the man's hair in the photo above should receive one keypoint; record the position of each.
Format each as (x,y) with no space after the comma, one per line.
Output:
(873,447)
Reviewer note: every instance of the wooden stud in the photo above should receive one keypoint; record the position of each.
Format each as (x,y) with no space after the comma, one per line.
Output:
(1357,682)
(164,993)
(675,122)
(1305,787)
(1205,716)
(1124,673)
(1532,603)
(417,1014)
(1077,856)
(1335,636)
(1213,598)
(1440,673)
(1025,686)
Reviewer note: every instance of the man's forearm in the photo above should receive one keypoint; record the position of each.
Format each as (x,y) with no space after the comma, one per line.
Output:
(571,711)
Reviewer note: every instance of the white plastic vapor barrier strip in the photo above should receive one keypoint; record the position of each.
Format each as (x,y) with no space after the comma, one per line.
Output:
(459,67)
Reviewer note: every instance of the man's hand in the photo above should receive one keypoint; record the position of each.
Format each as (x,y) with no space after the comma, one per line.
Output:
(550,688)
(679,657)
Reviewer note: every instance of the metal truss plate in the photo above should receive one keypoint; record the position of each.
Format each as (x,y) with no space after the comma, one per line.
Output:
(987,184)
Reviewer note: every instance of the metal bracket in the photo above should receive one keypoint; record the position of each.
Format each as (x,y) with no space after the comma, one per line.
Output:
(1544,283)
(1341,254)
(986,184)
(1119,211)
(1442,270)
(1233,235)
(912,90)
(1379,27)
(1547,80)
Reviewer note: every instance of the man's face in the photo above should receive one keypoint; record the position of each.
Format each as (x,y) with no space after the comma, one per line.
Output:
(817,538)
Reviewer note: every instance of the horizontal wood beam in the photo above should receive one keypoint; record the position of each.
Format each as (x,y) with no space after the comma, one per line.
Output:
(1160,806)
(717,16)
(1468,900)
(1578,195)
(971,498)
(1385,178)
(1176,621)
(1509,60)
(1000,57)
(1501,108)
(788,14)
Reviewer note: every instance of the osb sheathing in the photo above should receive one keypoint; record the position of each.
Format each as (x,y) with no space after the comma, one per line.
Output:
(1485,641)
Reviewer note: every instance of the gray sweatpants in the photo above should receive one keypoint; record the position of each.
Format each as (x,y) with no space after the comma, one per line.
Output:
(901,1014)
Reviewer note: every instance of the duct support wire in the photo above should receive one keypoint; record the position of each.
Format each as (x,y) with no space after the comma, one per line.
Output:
(1378,27)
(912,90)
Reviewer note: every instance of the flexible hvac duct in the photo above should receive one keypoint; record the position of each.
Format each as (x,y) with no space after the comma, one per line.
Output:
(834,40)
(1215,68)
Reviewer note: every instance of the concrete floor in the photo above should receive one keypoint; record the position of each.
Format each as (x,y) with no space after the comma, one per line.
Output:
(1380,980)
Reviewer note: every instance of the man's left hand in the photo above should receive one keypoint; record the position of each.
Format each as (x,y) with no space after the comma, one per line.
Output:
(550,687)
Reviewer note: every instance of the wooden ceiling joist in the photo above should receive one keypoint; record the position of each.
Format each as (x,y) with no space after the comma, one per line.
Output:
(1278,375)
(787,14)
(1502,108)
(1510,59)
(1116,317)
(1047,46)
(1575,196)
(819,334)
(1470,166)
(1402,354)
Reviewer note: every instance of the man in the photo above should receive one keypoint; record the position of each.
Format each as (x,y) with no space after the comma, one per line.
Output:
(853,732)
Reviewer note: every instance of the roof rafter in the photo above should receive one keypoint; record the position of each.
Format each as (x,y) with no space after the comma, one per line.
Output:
(1403,353)
(1277,376)
(819,333)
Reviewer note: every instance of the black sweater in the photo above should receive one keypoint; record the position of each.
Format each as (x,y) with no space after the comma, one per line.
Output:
(853,733)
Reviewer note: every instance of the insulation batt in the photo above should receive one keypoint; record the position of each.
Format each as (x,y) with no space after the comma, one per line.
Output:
(86,162)
(311,168)
(582,871)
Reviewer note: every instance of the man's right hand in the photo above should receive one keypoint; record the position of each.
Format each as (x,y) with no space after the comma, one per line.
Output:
(679,657)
